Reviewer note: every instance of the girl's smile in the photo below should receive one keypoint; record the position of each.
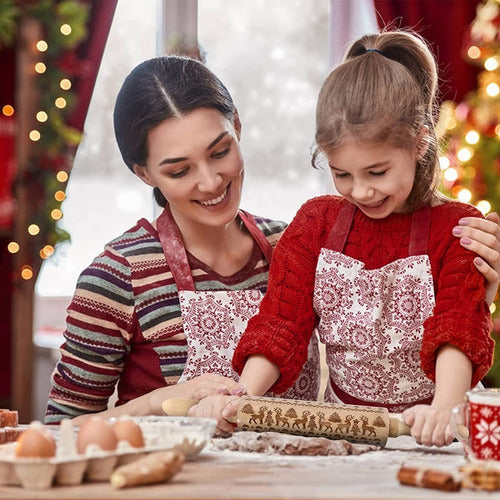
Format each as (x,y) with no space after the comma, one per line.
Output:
(377,178)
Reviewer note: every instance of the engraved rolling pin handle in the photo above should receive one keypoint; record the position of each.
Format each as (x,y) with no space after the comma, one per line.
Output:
(179,407)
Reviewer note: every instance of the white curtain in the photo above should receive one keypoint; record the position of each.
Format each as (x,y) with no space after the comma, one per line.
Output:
(349,19)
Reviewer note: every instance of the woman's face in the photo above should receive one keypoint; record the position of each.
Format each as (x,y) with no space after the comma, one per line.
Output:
(196,163)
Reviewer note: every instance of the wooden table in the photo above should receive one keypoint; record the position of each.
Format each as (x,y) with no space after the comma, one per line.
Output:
(250,476)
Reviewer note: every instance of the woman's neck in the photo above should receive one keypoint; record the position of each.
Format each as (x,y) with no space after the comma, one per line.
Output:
(226,249)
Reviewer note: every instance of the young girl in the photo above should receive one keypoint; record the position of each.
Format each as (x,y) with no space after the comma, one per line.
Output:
(396,300)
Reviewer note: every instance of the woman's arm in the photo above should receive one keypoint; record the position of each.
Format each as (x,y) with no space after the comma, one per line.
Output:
(483,238)
(151,404)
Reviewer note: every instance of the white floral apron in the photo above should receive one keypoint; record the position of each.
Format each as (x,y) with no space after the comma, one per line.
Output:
(371,321)
(214,321)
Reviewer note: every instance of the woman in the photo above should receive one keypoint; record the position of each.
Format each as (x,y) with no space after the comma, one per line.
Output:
(178,130)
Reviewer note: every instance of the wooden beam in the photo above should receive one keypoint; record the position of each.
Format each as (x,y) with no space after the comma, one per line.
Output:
(24,290)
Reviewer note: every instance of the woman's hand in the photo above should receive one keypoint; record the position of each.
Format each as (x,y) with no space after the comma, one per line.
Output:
(208,384)
(214,407)
(430,425)
(483,238)
(150,404)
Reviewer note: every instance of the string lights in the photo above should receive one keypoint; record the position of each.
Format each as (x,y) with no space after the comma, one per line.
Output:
(470,134)
(55,68)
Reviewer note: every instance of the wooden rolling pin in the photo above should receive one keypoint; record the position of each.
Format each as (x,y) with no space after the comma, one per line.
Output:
(359,424)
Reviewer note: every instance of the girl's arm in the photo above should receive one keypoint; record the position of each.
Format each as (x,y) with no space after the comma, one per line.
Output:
(483,238)
(267,373)
(430,423)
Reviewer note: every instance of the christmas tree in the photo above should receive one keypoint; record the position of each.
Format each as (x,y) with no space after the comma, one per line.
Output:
(470,131)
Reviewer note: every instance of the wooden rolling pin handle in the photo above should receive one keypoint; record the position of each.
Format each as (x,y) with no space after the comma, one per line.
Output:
(397,427)
(179,407)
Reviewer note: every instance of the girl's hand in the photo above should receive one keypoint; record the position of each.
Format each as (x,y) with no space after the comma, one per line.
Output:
(212,407)
(430,425)
(483,238)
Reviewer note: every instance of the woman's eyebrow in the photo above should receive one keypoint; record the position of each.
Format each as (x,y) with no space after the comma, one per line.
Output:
(219,138)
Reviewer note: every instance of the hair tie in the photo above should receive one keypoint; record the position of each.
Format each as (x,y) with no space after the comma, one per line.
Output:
(373,50)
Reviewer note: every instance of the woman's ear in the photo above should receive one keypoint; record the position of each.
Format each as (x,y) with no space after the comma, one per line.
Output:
(423,142)
(142,172)
(237,124)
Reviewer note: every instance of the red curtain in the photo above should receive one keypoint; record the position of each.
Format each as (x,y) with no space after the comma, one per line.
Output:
(101,17)
(90,52)
(7,165)
(443,24)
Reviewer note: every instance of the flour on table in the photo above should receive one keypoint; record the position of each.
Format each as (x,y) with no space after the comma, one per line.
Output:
(286,444)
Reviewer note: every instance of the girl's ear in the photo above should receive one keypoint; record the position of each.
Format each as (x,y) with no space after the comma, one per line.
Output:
(142,172)
(237,124)
(423,142)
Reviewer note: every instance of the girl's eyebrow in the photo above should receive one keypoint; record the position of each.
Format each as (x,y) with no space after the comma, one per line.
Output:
(374,165)
(168,161)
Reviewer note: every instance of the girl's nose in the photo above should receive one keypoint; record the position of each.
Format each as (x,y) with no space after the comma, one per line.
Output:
(362,191)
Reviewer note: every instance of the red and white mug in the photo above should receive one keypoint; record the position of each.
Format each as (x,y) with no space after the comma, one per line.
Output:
(480,415)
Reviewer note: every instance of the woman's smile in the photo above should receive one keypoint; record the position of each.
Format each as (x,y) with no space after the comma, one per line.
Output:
(215,201)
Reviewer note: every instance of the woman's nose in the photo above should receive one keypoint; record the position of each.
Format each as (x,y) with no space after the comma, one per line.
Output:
(210,180)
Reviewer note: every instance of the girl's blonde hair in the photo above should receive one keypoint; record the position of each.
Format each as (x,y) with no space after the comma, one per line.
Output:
(384,92)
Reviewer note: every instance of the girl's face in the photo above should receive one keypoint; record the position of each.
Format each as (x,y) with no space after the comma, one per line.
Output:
(377,178)
(196,163)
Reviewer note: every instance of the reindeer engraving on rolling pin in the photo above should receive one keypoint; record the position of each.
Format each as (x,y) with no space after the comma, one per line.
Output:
(258,416)
(323,423)
(367,428)
(301,421)
(280,419)
(344,426)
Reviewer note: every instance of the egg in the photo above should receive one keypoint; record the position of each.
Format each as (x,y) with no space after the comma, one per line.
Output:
(127,430)
(35,442)
(98,432)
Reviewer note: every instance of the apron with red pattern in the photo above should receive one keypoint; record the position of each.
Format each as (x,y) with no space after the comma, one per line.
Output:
(371,321)
(214,321)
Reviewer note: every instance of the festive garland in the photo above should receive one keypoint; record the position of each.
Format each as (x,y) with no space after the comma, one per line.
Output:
(64,25)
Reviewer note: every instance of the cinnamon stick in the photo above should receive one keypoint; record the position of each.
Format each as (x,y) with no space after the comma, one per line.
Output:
(156,467)
(428,478)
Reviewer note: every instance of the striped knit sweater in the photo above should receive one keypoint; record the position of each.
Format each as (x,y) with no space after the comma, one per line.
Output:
(124,325)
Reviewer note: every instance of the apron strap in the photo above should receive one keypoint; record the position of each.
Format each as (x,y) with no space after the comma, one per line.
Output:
(257,234)
(174,250)
(419,234)
(420,227)
(340,231)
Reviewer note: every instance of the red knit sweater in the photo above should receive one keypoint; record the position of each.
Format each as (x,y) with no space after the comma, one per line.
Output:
(282,329)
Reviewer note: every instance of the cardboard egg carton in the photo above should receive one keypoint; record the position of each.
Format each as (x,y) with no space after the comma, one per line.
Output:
(185,435)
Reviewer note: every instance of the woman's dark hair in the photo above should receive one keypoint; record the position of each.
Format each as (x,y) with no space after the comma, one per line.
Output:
(158,89)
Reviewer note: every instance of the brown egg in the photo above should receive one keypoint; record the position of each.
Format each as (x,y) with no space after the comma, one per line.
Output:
(127,430)
(98,432)
(35,442)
